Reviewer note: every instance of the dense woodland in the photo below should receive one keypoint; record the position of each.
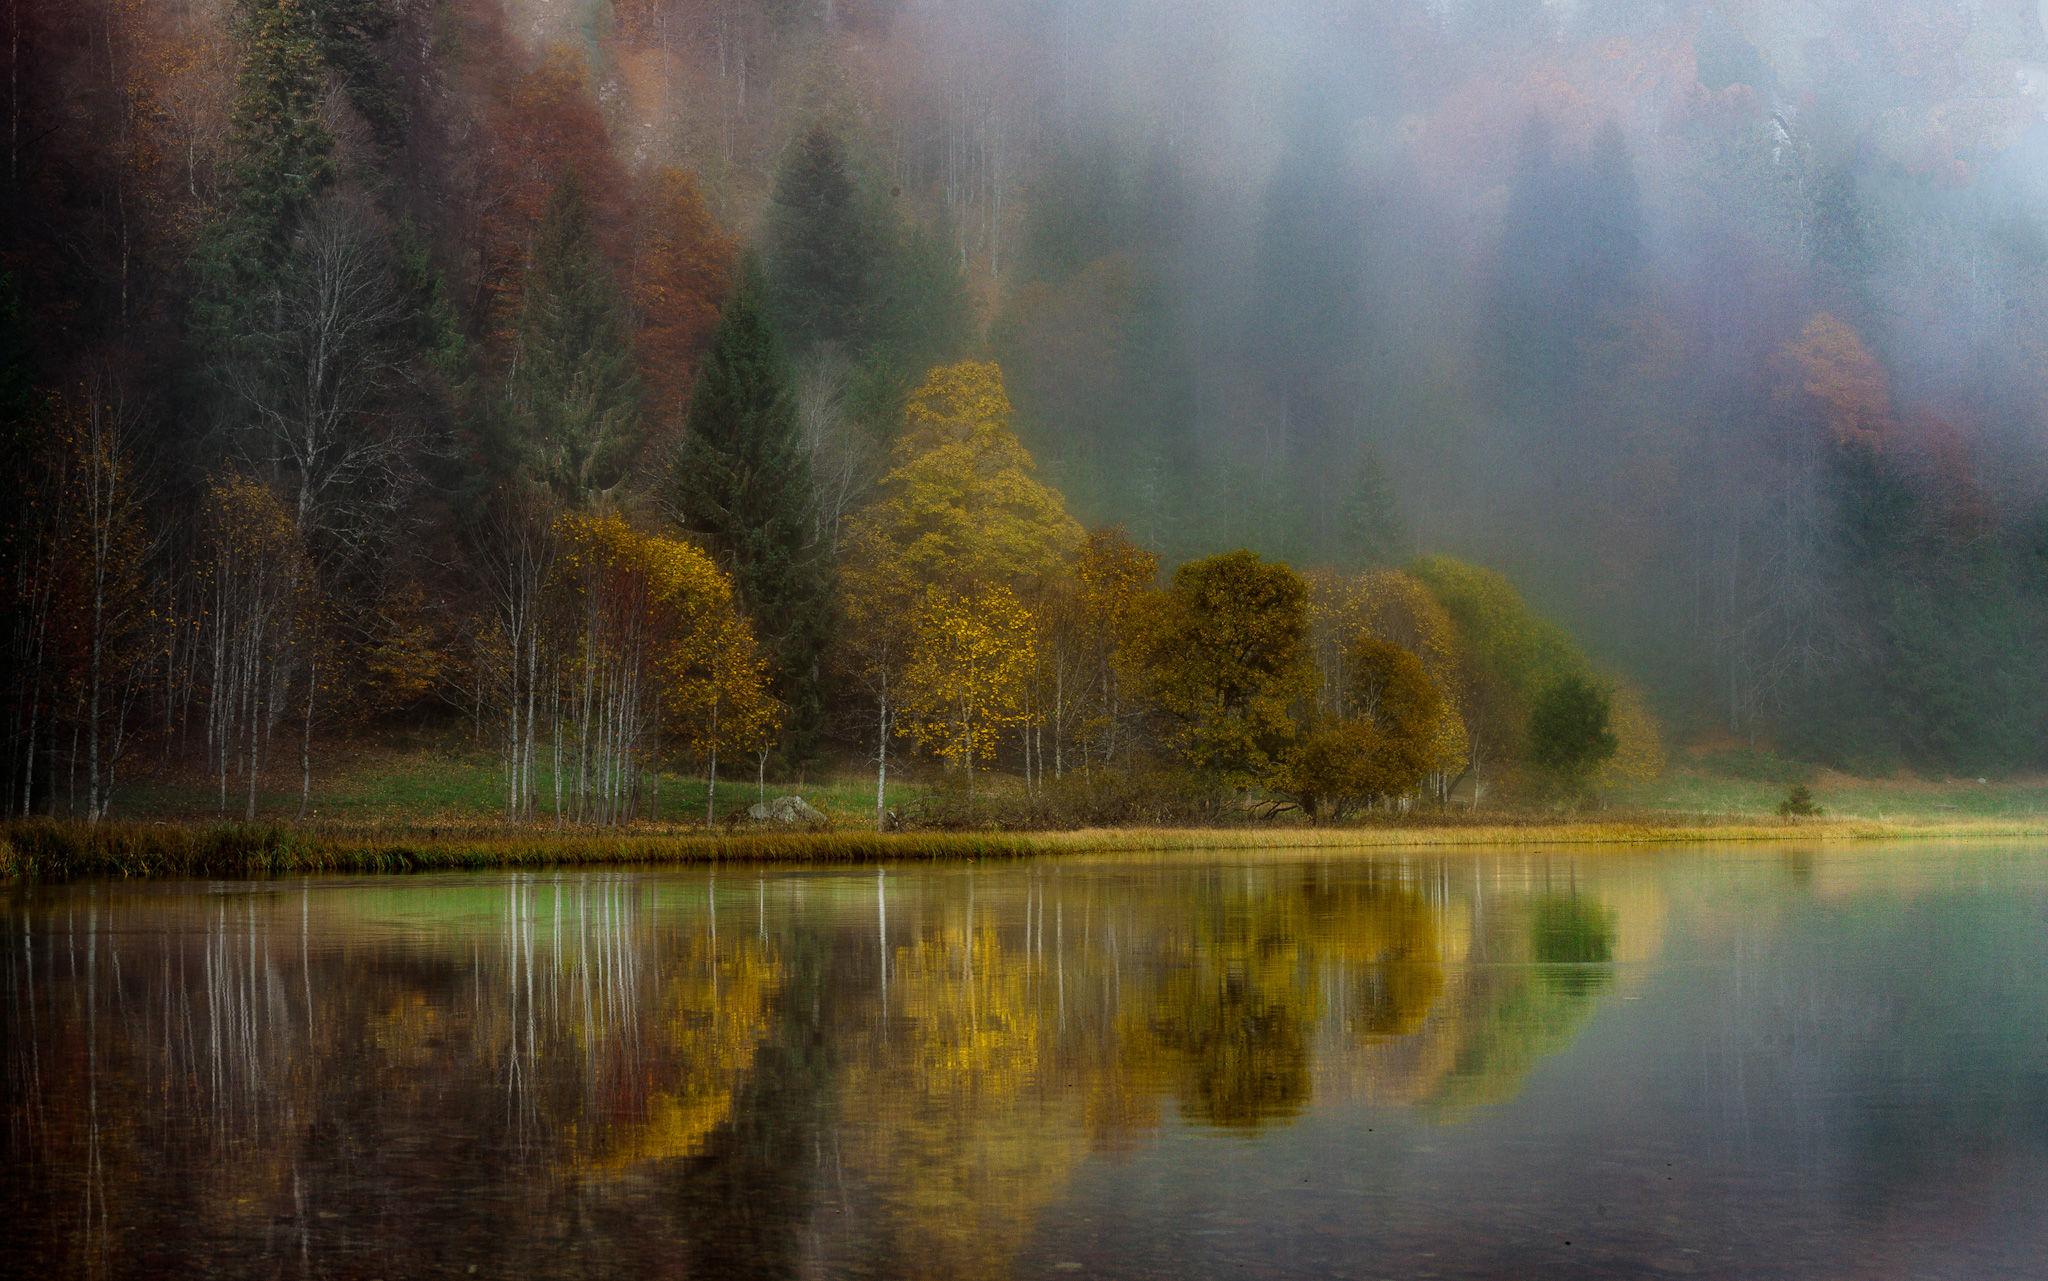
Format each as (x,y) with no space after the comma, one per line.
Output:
(723,385)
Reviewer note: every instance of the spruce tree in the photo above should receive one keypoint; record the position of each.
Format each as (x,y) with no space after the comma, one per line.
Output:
(742,485)
(574,395)
(283,161)
(1372,515)
(821,254)
(1843,257)
(283,147)
(348,33)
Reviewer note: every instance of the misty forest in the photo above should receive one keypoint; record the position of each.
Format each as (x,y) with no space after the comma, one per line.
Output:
(1103,410)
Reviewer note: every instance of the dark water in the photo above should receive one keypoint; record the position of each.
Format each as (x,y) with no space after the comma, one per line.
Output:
(1750,1063)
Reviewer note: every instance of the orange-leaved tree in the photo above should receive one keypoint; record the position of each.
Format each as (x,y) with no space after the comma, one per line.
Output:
(257,583)
(682,265)
(655,641)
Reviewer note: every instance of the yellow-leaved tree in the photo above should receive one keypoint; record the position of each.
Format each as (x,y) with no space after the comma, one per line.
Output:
(961,505)
(1378,741)
(1394,606)
(1111,573)
(960,515)
(965,684)
(656,643)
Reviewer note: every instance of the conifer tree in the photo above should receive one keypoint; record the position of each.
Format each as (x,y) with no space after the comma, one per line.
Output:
(741,484)
(924,315)
(821,255)
(283,162)
(347,32)
(1372,516)
(574,395)
(284,148)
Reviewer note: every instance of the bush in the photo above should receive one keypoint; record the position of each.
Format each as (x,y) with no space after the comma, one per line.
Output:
(1798,802)
(1569,738)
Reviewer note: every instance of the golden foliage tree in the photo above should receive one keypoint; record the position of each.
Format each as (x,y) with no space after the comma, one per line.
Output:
(1395,607)
(655,642)
(966,684)
(1223,654)
(1111,573)
(960,520)
(961,505)
(1382,739)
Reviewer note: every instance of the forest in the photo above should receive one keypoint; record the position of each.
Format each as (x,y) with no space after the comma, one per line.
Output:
(1130,410)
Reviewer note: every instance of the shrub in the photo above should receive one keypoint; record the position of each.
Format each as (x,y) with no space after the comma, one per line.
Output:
(1798,802)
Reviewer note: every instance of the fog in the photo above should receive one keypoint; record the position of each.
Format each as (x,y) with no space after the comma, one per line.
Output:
(1550,263)
(1717,328)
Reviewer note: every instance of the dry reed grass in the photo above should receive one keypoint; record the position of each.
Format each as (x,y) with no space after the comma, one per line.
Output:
(42,849)
(1636,830)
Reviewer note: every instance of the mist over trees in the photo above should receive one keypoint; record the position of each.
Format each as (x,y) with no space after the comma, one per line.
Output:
(364,359)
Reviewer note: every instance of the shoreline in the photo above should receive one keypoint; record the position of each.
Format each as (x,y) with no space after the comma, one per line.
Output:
(34,850)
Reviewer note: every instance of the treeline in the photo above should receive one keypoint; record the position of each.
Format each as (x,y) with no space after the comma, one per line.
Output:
(358,358)
(344,367)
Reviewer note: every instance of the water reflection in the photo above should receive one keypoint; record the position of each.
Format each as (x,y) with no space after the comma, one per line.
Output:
(907,1072)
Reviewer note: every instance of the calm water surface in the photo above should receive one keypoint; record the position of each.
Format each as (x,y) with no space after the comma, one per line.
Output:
(1753,1063)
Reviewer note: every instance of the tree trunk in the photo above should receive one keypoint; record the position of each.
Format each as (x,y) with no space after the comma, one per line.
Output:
(711,785)
(92,731)
(882,762)
(306,738)
(255,742)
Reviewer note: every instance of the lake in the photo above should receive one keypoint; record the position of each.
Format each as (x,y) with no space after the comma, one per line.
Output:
(1748,1062)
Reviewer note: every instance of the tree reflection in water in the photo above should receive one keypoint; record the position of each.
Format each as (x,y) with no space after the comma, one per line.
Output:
(568,1074)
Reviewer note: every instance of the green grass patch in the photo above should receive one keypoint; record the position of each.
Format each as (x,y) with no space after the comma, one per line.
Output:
(441,786)
(2018,801)
(1753,765)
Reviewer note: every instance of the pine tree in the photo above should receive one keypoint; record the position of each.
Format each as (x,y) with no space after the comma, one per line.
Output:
(348,32)
(283,162)
(741,484)
(574,395)
(1843,256)
(1372,515)
(283,147)
(821,254)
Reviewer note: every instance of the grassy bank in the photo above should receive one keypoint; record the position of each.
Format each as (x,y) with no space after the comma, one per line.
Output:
(48,850)
(443,782)
(52,850)
(453,784)
(1617,832)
